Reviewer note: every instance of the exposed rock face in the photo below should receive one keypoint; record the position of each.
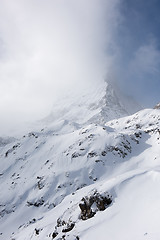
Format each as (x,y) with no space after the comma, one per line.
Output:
(157,106)
(68,228)
(62,228)
(54,235)
(96,202)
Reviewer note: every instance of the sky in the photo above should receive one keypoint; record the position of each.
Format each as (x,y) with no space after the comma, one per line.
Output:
(139,59)
(48,47)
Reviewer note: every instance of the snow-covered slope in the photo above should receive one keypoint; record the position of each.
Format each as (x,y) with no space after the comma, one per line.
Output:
(81,177)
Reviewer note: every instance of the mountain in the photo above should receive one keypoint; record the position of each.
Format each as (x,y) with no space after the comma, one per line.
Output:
(89,171)
(94,103)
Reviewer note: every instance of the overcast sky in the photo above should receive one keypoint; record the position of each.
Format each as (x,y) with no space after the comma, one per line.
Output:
(49,46)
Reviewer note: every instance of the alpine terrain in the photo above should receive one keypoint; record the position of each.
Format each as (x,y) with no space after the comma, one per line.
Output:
(90,170)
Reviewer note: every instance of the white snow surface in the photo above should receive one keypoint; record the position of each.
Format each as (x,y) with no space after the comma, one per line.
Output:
(85,147)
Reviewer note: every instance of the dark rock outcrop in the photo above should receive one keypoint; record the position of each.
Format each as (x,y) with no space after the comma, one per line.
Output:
(96,202)
(157,106)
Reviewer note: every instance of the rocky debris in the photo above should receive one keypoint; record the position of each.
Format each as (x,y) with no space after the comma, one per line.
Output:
(98,160)
(123,148)
(75,155)
(62,227)
(93,178)
(32,134)
(117,150)
(157,106)
(40,183)
(15,176)
(12,149)
(91,135)
(138,134)
(81,186)
(32,221)
(84,131)
(37,203)
(104,153)
(7,210)
(54,234)
(46,162)
(138,126)
(96,202)
(60,222)
(92,154)
(37,231)
(69,227)
(154,130)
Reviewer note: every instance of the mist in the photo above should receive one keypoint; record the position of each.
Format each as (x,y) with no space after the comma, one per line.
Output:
(48,48)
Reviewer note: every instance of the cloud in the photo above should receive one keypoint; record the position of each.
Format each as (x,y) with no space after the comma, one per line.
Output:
(146,59)
(49,47)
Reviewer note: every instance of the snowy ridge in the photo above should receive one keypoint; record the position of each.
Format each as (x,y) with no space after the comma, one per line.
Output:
(46,174)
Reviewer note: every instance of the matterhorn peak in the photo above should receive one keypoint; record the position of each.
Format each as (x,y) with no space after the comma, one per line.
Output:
(96,103)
